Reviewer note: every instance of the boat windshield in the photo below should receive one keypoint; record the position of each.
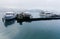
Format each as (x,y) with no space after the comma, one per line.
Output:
(9,14)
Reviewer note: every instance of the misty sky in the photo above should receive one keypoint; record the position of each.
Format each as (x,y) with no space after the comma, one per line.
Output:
(30,3)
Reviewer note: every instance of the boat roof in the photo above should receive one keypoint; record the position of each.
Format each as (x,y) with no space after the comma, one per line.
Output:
(9,12)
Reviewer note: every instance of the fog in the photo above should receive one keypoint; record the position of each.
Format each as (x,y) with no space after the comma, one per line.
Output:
(12,31)
(28,4)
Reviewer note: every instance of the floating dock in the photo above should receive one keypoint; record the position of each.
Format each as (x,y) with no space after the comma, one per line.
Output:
(37,19)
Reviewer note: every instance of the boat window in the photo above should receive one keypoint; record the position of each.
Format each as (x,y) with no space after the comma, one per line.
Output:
(9,14)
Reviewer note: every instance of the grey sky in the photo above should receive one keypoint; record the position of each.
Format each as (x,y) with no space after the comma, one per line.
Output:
(50,4)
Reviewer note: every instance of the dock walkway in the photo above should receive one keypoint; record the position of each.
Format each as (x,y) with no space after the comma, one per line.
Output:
(37,19)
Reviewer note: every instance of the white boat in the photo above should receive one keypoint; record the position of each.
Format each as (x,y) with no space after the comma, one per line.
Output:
(9,16)
(46,14)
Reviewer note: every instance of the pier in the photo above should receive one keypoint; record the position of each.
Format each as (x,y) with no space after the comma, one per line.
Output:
(37,19)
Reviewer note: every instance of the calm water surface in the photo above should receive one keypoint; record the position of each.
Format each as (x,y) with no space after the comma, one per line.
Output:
(49,29)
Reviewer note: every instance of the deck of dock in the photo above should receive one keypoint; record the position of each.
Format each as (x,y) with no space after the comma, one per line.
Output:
(37,19)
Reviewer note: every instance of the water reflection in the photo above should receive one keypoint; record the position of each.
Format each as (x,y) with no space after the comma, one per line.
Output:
(21,21)
(9,22)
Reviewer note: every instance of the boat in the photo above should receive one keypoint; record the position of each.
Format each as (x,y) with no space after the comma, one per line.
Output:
(24,16)
(9,16)
(46,14)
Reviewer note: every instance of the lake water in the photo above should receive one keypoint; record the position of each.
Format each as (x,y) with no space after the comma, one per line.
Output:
(49,29)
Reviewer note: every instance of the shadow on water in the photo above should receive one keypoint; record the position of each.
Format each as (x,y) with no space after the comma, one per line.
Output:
(21,21)
(8,22)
